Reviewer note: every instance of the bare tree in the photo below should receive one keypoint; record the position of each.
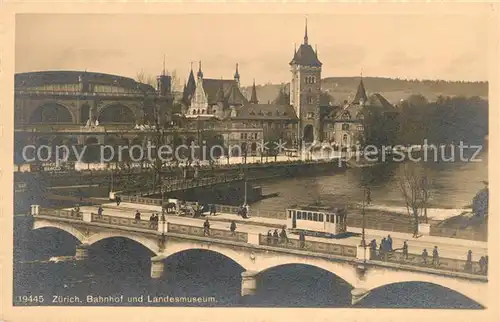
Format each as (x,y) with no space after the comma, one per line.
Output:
(146,79)
(414,186)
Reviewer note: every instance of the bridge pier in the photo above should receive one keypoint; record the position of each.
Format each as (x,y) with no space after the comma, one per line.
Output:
(248,283)
(157,267)
(357,294)
(82,252)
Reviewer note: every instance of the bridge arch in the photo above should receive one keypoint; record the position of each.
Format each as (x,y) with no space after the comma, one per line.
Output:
(344,271)
(150,243)
(50,113)
(39,224)
(116,113)
(240,258)
(472,289)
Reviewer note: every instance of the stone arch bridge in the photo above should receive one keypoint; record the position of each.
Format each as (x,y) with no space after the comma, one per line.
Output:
(252,253)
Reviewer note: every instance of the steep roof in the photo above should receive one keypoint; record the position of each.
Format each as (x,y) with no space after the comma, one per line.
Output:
(378,100)
(305,56)
(360,94)
(253,98)
(190,88)
(265,112)
(232,93)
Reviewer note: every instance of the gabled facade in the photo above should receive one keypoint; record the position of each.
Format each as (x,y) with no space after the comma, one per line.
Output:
(212,97)
(343,125)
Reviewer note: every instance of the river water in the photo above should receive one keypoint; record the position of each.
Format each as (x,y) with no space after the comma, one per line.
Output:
(122,267)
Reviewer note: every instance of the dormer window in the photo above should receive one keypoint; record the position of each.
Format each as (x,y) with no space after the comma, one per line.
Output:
(269,114)
(252,113)
(261,113)
(346,116)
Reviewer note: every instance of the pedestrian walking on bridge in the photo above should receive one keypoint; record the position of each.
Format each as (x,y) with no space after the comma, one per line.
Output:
(99,212)
(118,200)
(233,228)
(275,237)
(283,236)
(405,250)
(137,216)
(435,256)
(468,263)
(269,237)
(206,228)
(424,256)
(302,239)
(213,210)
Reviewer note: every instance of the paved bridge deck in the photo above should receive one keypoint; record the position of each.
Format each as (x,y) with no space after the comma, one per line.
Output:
(448,247)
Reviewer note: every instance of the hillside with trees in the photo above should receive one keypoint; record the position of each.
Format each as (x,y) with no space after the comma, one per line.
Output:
(393,89)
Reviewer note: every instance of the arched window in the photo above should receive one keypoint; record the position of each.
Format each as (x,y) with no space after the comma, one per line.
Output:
(194,112)
(202,111)
(313,80)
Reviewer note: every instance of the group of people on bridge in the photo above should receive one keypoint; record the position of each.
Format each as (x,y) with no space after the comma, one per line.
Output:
(277,238)
(385,250)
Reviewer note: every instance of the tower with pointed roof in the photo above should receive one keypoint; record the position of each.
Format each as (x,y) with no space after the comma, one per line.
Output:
(305,90)
(164,82)
(190,88)
(253,98)
(237,76)
(360,98)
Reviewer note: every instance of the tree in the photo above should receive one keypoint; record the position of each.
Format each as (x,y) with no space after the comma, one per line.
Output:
(141,77)
(480,202)
(414,187)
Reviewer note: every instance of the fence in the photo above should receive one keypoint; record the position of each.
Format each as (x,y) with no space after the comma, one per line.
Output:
(256,213)
(458,233)
(447,264)
(121,221)
(71,214)
(377,225)
(311,246)
(141,200)
(214,233)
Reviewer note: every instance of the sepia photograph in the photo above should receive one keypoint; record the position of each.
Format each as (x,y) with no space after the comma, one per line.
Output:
(248,160)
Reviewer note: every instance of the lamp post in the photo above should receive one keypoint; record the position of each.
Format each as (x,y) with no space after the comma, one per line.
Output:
(363,240)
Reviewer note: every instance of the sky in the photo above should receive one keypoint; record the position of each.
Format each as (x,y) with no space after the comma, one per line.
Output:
(430,46)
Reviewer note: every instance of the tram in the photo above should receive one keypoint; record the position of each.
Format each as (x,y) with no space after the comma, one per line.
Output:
(318,220)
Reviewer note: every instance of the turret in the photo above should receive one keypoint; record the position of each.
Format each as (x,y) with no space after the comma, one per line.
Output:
(164,82)
(200,73)
(253,99)
(237,76)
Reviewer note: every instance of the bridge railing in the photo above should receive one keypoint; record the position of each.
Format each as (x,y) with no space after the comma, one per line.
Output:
(447,264)
(61,213)
(214,233)
(121,221)
(457,233)
(311,246)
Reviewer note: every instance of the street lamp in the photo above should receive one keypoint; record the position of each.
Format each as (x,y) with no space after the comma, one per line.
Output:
(363,240)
